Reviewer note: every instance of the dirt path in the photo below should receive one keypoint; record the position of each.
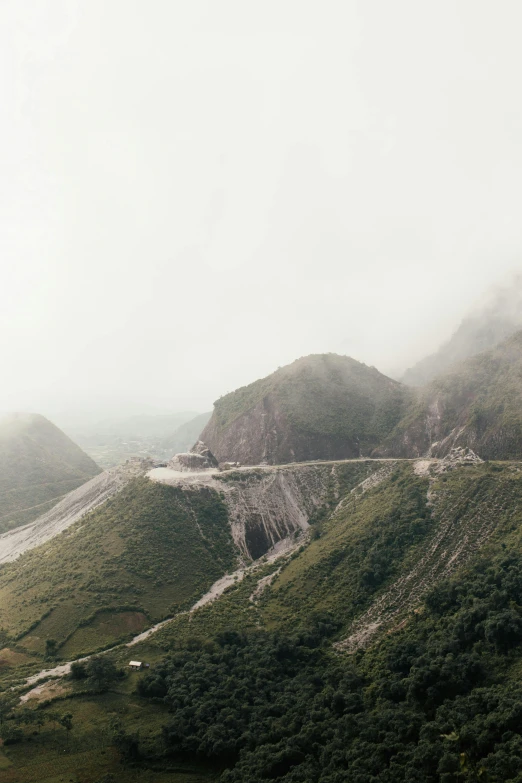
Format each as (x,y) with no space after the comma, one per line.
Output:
(111,483)
(281,549)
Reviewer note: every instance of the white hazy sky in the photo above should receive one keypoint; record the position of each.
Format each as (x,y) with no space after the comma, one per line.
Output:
(195,192)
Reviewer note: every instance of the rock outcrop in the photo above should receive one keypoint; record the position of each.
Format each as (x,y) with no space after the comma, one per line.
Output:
(270,505)
(458,458)
(198,458)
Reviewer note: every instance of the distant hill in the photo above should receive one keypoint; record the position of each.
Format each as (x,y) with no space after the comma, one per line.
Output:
(322,406)
(478,403)
(112,441)
(185,435)
(479,332)
(39,464)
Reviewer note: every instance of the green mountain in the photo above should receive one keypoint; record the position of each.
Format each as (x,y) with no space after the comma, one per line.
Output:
(322,406)
(480,331)
(419,577)
(476,404)
(153,549)
(351,620)
(384,647)
(38,466)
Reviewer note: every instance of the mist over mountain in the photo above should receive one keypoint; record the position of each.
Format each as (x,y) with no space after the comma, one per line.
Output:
(498,317)
(320,581)
(319,407)
(477,403)
(111,441)
(39,464)
(186,434)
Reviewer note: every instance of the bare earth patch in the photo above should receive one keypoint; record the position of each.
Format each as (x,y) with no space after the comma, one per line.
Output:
(47,690)
(10,657)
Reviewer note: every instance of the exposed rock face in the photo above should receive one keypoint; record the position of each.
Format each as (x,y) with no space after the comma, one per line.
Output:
(202,450)
(199,458)
(323,407)
(188,461)
(265,509)
(268,505)
(457,458)
(265,435)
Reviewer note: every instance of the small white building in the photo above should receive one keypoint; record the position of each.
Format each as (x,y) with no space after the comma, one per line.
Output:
(135,665)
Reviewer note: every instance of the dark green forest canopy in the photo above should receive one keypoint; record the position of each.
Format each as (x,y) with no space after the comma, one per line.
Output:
(433,703)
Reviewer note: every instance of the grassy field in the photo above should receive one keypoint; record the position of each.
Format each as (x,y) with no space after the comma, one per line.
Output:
(147,553)
(86,753)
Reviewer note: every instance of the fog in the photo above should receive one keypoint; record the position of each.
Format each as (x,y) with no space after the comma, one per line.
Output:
(195,193)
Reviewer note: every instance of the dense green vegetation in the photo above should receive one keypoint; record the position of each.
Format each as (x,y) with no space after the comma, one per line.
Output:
(38,466)
(433,703)
(148,552)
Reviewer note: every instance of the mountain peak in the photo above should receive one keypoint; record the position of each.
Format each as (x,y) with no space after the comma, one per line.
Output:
(321,406)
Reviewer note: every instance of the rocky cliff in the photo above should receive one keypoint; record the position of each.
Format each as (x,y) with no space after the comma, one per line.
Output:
(266,507)
(320,407)
(269,505)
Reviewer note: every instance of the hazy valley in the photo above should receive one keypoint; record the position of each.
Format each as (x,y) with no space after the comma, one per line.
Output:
(331,554)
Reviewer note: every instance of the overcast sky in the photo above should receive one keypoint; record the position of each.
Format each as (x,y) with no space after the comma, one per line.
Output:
(193,193)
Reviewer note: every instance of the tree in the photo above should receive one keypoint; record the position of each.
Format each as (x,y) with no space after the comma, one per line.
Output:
(66,722)
(7,702)
(78,671)
(11,733)
(127,744)
(101,672)
(51,648)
